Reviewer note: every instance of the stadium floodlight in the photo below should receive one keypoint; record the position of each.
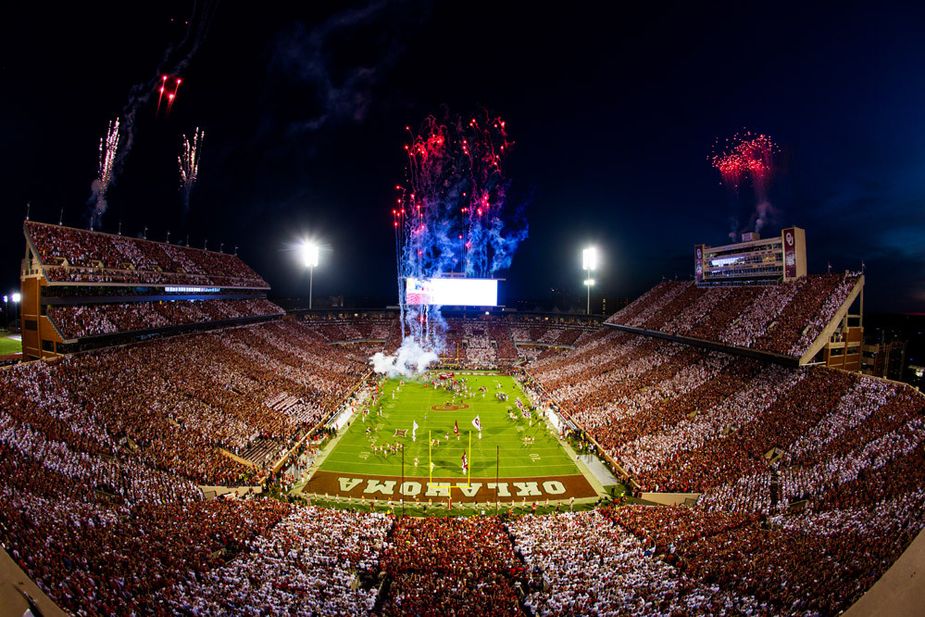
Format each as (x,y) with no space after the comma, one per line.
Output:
(589,259)
(16,297)
(310,252)
(589,265)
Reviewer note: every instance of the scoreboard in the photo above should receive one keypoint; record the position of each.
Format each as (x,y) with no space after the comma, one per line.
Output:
(754,260)
(451,291)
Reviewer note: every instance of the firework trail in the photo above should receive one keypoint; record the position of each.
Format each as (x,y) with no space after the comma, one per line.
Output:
(164,90)
(188,162)
(449,216)
(747,155)
(109,147)
(175,60)
(171,97)
(160,92)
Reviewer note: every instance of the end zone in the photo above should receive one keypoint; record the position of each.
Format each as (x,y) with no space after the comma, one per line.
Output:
(365,486)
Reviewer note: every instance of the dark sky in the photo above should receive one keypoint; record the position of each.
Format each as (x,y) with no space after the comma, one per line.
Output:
(613,115)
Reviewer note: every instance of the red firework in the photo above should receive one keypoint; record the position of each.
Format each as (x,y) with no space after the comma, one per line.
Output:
(746,153)
(454,184)
(160,91)
(165,90)
(172,97)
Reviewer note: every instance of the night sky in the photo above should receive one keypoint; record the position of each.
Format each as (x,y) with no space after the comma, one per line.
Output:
(613,117)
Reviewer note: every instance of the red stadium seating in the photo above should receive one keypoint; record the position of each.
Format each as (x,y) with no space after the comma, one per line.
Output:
(782,319)
(101,454)
(78,321)
(80,256)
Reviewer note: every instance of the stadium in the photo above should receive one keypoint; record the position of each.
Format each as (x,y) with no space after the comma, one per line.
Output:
(449,309)
(689,454)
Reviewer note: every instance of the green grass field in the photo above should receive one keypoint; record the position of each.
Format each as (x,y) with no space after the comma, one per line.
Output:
(9,345)
(527,449)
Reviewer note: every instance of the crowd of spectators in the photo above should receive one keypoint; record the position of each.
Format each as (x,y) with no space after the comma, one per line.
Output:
(812,562)
(479,347)
(811,482)
(190,397)
(658,458)
(758,440)
(506,350)
(484,343)
(77,255)
(96,498)
(783,319)
(104,533)
(820,463)
(454,566)
(685,420)
(314,562)
(77,321)
(582,564)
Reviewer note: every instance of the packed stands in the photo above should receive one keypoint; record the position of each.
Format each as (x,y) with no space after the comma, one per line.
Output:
(583,564)
(145,541)
(313,562)
(783,319)
(506,351)
(83,290)
(809,563)
(98,529)
(80,256)
(809,482)
(78,321)
(191,395)
(679,419)
(479,347)
(485,342)
(455,566)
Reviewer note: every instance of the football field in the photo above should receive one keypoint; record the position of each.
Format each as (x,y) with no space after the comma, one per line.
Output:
(518,447)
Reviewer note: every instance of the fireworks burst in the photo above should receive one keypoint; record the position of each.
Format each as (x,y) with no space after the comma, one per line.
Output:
(449,216)
(109,146)
(188,161)
(750,155)
(745,154)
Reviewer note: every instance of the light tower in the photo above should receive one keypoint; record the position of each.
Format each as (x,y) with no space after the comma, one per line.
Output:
(310,252)
(589,265)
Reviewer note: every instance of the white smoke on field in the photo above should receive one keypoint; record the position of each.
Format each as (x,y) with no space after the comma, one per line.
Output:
(410,360)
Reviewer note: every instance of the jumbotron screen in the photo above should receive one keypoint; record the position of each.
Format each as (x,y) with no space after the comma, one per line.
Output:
(452,291)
